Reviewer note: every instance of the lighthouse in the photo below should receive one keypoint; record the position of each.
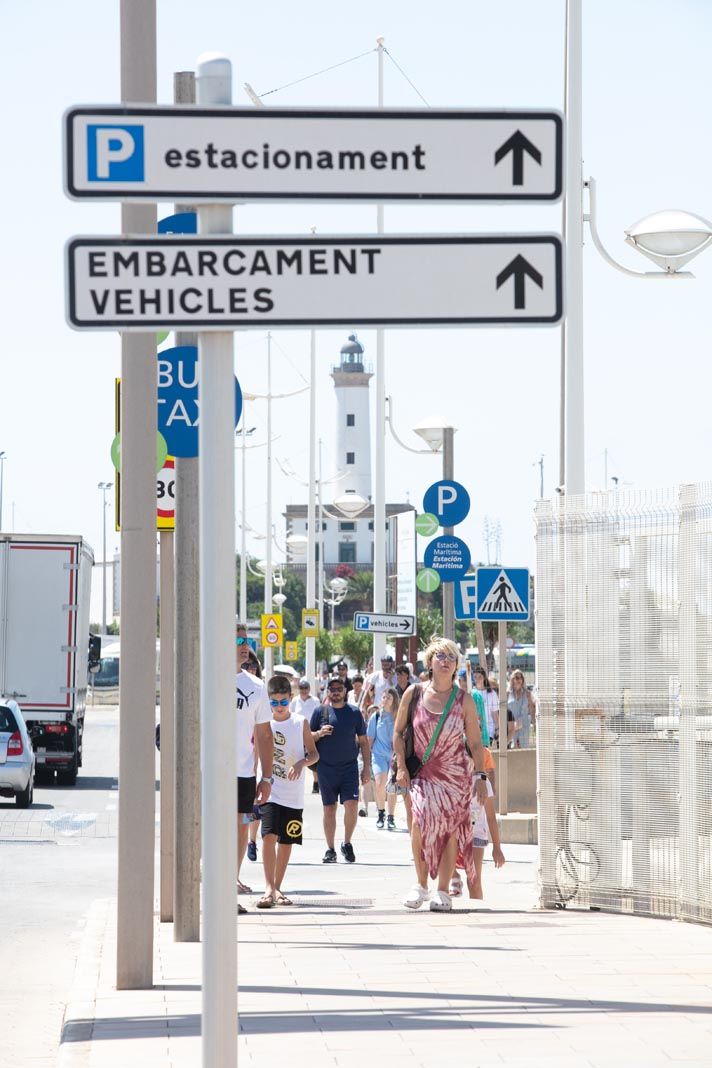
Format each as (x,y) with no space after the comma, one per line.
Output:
(353,425)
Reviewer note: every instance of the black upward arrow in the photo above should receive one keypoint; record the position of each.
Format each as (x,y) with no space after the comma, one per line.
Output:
(520,268)
(517,144)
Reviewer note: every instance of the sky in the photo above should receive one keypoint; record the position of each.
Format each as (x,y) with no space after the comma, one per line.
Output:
(645,126)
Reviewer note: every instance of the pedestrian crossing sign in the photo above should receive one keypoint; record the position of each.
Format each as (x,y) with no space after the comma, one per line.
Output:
(503,593)
(272,631)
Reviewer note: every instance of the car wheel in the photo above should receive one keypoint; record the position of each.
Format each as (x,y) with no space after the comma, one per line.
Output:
(23,799)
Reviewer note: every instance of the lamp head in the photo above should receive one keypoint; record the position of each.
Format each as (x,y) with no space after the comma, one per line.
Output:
(670,238)
(350,503)
(432,431)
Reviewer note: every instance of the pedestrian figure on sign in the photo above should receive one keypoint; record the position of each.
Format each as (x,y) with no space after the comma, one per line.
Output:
(502,601)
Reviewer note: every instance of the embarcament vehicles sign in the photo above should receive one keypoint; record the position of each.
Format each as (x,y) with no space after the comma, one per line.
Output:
(223,283)
(210,154)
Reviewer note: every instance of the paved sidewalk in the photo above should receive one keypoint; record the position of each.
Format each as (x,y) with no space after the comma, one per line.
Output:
(348,974)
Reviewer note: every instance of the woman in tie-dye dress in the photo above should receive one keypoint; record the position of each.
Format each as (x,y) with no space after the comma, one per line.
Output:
(441,792)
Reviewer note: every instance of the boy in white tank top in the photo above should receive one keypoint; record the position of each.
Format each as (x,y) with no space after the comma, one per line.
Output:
(294,750)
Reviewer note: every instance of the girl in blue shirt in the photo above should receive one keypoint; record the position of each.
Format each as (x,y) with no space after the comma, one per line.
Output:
(380,735)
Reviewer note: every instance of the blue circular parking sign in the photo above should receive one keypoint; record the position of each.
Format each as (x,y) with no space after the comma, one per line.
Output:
(449,556)
(178,406)
(447,500)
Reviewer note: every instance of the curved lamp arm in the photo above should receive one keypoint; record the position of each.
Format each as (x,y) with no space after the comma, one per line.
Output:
(590,218)
(389,420)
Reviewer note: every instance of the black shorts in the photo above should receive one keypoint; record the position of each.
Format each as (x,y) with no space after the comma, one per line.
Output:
(285,822)
(246,790)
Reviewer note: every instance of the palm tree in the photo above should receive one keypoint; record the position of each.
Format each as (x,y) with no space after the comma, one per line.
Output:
(359,595)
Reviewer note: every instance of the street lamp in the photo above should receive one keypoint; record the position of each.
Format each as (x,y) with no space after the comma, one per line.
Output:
(438,433)
(350,503)
(103,486)
(338,587)
(669,238)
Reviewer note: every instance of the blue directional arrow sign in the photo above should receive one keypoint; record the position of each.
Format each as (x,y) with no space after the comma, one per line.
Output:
(449,556)
(178,399)
(466,597)
(503,593)
(448,501)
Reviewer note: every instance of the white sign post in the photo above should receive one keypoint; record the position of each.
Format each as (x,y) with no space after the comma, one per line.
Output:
(405,564)
(224,283)
(368,155)
(217,644)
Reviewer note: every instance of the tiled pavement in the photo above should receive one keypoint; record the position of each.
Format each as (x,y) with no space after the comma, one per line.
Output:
(348,974)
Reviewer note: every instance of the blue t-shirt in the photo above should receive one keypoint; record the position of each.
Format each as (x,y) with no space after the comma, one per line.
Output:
(380,731)
(340,747)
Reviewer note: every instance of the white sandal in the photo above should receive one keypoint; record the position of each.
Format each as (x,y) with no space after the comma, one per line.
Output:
(416,897)
(441,902)
(456,886)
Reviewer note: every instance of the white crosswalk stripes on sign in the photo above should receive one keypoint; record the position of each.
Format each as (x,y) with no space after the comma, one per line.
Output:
(502,597)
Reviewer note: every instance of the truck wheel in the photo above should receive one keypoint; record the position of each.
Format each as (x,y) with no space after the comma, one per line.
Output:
(24,798)
(68,776)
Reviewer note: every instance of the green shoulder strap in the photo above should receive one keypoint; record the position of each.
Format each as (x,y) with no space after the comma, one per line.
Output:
(439,725)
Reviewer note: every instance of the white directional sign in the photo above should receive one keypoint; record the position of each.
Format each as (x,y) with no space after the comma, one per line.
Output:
(209,154)
(223,283)
(372,623)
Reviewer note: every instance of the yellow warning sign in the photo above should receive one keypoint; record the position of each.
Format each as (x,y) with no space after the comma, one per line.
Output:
(272,630)
(310,622)
(291,651)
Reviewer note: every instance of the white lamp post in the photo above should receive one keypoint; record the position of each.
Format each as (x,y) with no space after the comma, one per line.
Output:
(103,486)
(668,238)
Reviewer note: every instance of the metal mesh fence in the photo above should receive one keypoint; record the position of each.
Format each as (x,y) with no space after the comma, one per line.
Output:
(624,677)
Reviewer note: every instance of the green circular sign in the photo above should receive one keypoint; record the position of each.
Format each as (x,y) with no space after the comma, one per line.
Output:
(161,451)
(427,580)
(161,336)
(427,524)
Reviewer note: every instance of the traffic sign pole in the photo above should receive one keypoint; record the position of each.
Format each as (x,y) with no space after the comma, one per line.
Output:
(186,855)
(502,776)
(137,799)
(217,631)
(379,487)
(310,665)
(448,589)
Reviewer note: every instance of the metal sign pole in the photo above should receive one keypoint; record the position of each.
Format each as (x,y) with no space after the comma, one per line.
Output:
(137,774)
(168,767)
(217,632)
(503,784)
(379,488)
(448,587)
(311,512)
(186,856)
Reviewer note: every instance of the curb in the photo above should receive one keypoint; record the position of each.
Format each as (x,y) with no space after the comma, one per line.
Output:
(79,1013)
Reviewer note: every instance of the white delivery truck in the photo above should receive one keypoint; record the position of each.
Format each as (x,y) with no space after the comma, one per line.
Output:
(45,589)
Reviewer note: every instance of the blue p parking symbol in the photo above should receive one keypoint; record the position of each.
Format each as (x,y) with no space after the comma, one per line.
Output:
(115,153)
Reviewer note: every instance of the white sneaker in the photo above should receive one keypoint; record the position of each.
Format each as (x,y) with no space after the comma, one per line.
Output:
(415,897)
(441,902)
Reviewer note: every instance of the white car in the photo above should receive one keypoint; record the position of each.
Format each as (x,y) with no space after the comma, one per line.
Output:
(17,757)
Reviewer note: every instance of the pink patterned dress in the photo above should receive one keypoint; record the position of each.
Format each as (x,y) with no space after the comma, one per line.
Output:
(441,792)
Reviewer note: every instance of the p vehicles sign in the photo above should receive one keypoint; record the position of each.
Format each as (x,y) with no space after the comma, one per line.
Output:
(224,283)
(373,623)
(230,153)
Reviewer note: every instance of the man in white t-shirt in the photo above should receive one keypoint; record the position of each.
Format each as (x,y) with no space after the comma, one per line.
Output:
(378,682)
(253,733)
